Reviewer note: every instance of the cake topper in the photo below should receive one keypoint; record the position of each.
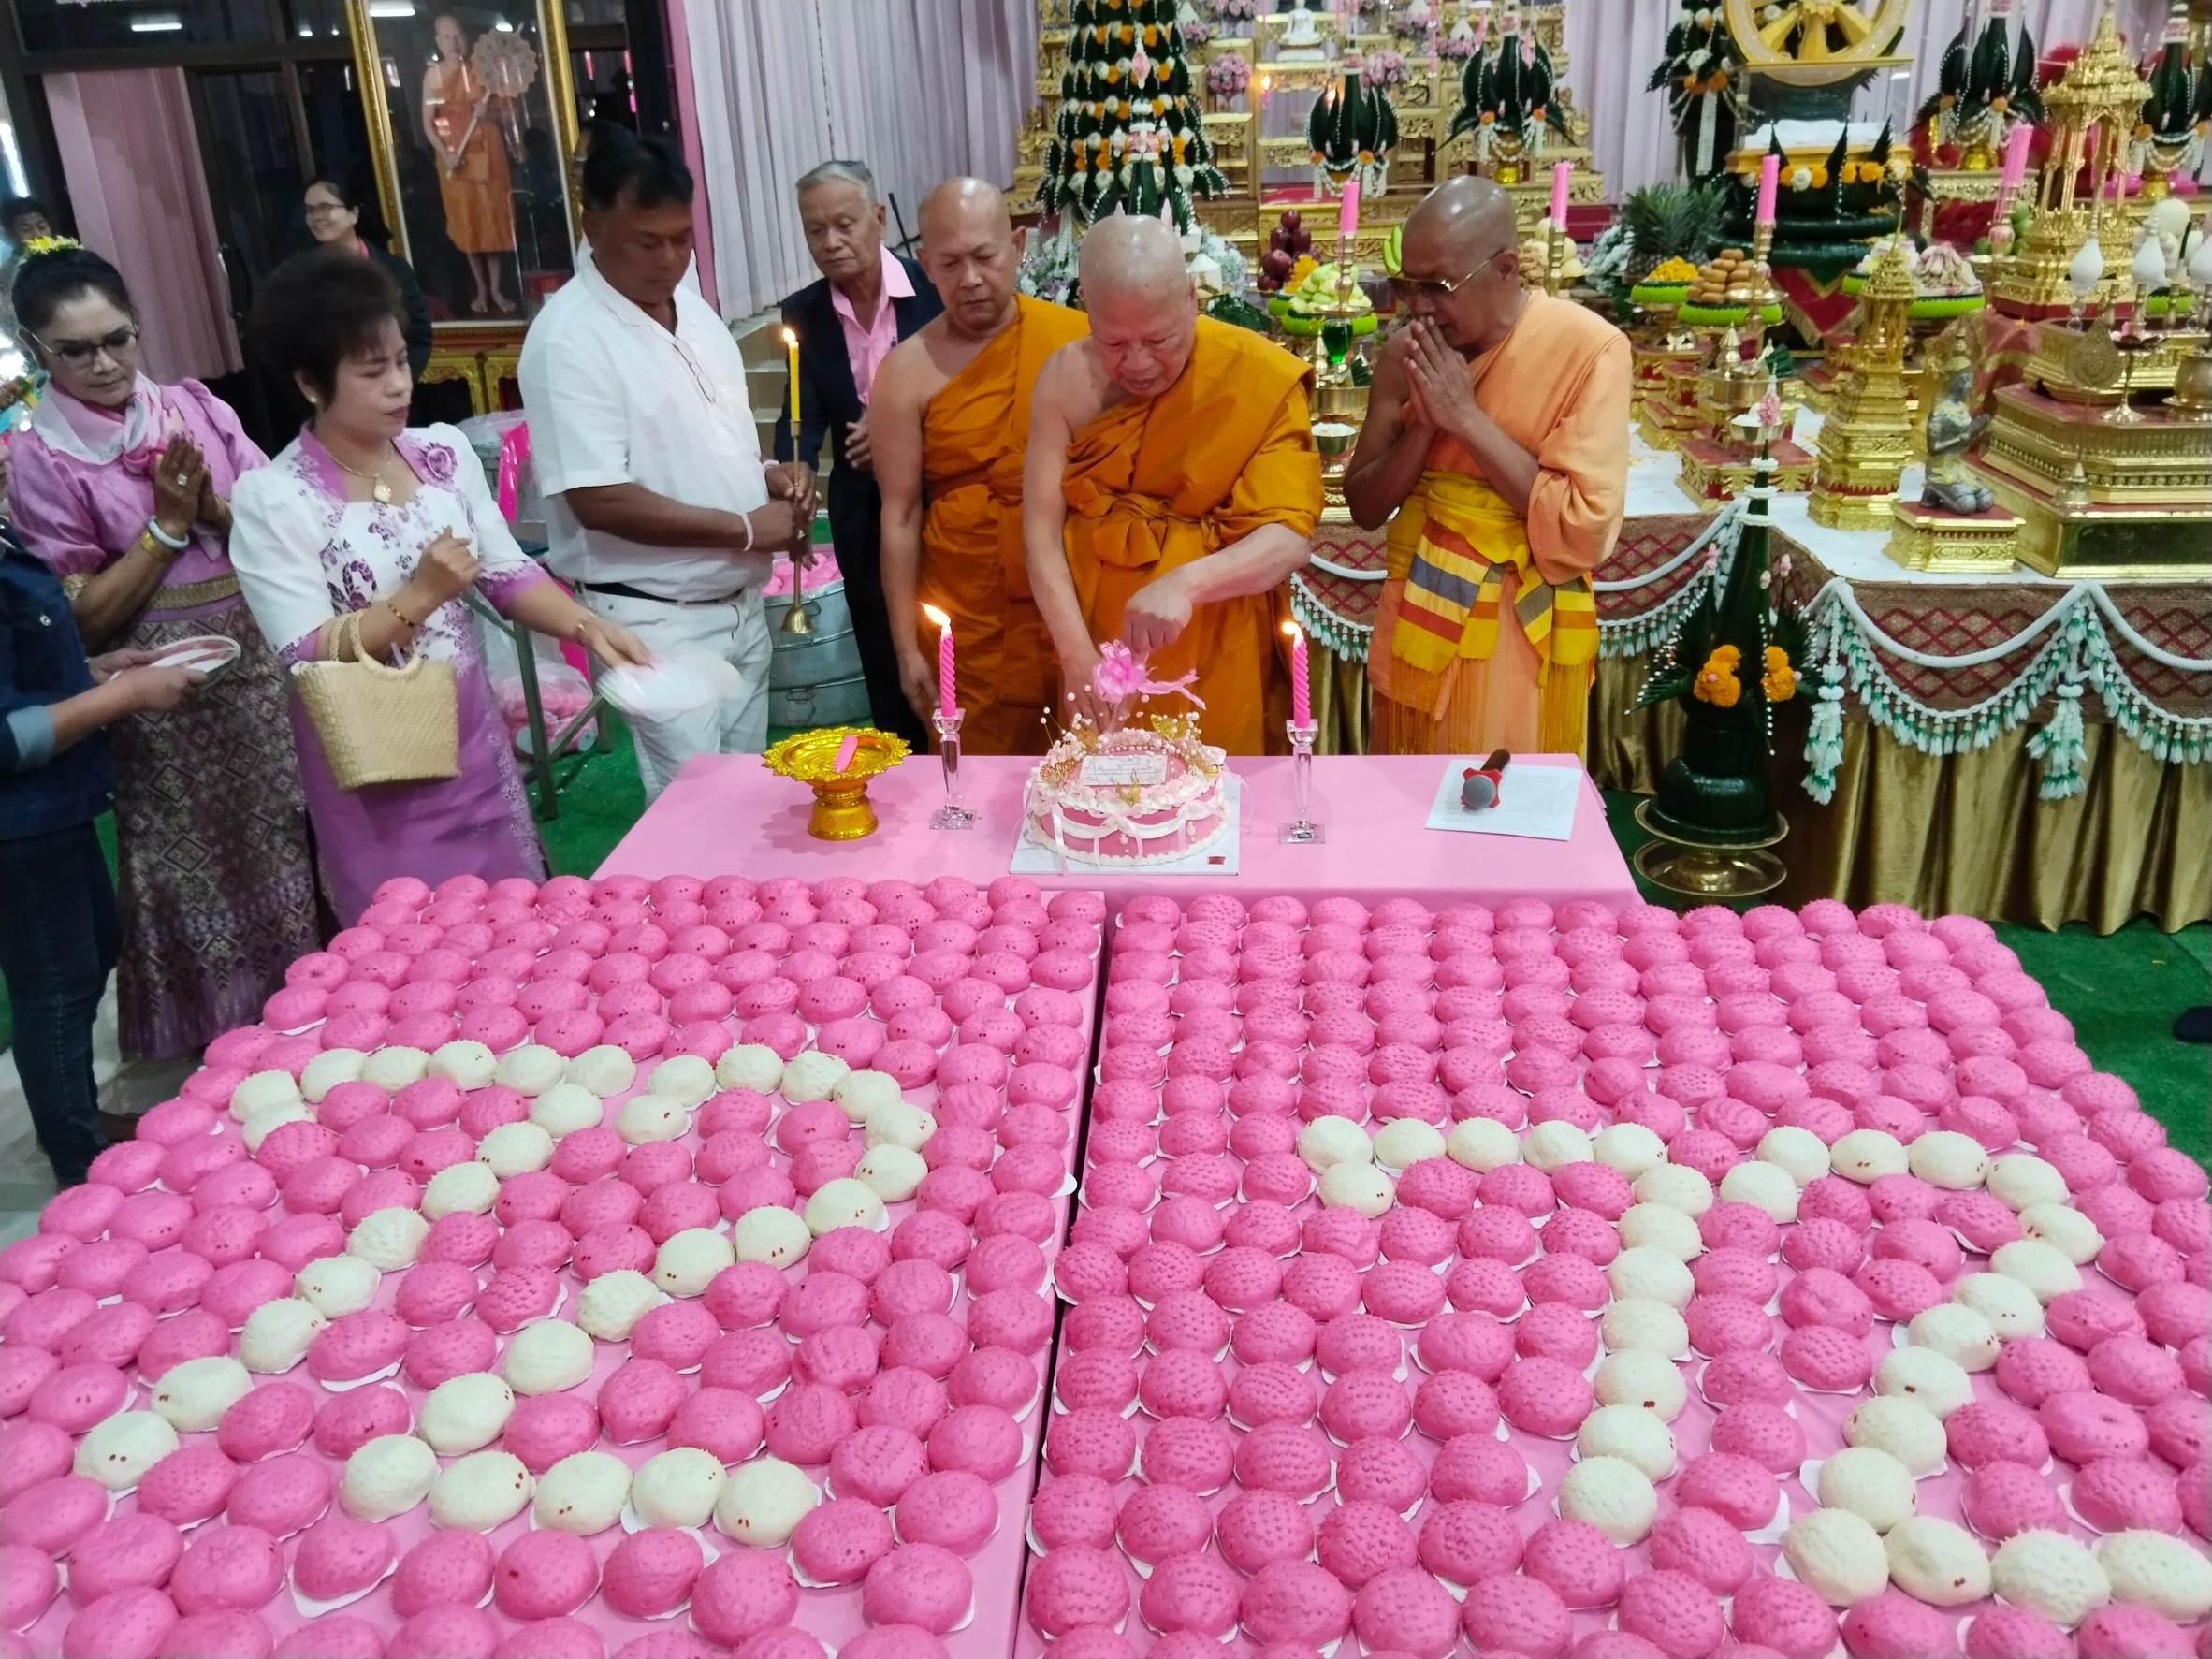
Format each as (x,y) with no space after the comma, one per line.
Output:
(1120,680)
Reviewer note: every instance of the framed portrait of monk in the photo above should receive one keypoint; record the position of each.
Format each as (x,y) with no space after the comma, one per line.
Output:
(470,123)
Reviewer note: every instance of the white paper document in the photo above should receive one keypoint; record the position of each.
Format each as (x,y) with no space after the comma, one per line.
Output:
(1033,855)
(1535,802)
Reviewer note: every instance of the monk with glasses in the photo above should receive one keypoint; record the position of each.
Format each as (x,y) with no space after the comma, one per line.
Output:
(1497,433)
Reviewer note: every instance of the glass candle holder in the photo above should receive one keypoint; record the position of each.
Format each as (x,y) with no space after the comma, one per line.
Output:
(953,814)
(1302,831)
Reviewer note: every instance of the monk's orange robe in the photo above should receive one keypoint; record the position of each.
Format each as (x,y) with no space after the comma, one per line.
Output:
(1493,645)
(1153,484)
(974,438)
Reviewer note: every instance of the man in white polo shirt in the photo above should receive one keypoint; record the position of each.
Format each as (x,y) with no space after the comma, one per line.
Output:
(661,512)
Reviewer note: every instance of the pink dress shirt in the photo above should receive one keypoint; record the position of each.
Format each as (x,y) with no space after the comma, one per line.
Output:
(866,347)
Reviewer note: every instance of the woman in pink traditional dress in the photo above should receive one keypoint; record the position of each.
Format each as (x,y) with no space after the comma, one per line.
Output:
(122,487)
(360,514)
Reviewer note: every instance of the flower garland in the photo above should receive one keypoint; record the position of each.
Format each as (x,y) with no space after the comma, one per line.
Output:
(2075,650)
(1717,682)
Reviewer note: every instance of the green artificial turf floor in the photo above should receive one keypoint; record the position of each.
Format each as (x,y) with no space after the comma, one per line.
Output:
(2121,991)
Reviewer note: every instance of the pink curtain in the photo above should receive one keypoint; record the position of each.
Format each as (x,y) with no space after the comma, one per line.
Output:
(131,156)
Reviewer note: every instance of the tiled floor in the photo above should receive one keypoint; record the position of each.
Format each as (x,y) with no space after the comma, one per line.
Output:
(26,1181)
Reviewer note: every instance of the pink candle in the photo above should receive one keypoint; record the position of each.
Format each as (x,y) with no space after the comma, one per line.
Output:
(1561,173)
(1301,696)
(1348,214)
(1769,181)
(947,703)
(846,751)
(2015,156)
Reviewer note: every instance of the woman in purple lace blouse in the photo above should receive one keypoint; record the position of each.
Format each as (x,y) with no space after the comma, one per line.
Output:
(362,514)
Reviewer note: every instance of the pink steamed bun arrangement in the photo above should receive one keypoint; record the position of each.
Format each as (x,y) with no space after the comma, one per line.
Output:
(653,1269)
(1574,1284)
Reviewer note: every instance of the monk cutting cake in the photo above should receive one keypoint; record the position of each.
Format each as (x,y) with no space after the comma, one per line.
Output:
(1497,430)
(950,416)
(1171,488)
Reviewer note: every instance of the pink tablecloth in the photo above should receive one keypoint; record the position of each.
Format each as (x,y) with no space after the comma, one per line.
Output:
(727,813)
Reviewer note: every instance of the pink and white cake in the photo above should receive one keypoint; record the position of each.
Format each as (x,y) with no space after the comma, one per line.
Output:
(1121,794)
(1135,796)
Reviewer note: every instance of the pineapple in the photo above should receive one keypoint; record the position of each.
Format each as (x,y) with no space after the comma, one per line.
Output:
(1671,220)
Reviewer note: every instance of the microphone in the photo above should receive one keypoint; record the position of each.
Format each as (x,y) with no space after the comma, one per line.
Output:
(1481,785)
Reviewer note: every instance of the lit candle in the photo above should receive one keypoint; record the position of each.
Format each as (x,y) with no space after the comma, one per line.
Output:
(2015,156)
(1347,216)
(1561,173)
(846,751)
(1301,696)
(791,354)
(948,703)
(1769,181)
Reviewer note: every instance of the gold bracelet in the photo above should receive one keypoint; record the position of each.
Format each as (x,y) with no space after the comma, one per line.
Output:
(404,620)
(162,554)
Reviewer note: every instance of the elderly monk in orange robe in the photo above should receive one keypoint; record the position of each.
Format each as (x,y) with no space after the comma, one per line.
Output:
(950,416)
(1498,431)
(1172,486)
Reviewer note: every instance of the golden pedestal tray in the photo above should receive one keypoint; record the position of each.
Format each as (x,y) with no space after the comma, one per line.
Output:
(1706,869)
(841,810)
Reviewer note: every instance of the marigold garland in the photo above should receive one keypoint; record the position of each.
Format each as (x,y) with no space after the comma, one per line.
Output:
(1780,681)
(1716,681)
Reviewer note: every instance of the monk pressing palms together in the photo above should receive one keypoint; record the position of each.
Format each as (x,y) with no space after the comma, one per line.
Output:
(1170,488)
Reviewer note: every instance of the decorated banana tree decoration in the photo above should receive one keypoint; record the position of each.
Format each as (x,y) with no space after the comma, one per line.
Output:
(1983,88)
(1506,101)
(2169,140)
(1731,660)
(1129,138)
(1351,132)
(1697,72)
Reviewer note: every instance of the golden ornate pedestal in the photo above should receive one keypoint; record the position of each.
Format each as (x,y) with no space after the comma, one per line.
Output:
(1953,543)
(1714,470)
(841,811)
(1650,362)
(1709,870)
(1670,411)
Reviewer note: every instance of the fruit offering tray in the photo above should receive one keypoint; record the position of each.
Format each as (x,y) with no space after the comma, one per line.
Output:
(1615,1285)
(563,1270)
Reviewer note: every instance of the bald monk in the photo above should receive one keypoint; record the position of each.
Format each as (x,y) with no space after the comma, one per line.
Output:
(1172,485)
(1498,431)
(951,415)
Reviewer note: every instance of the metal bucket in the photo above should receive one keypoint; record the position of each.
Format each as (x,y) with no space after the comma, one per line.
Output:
(815,679)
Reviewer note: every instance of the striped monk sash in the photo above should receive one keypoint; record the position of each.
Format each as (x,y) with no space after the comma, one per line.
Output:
(1460,532)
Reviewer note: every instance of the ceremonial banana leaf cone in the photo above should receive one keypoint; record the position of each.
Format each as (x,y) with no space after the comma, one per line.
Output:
(1715,792)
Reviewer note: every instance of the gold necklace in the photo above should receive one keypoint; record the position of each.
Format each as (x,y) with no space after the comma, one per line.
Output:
(379,492)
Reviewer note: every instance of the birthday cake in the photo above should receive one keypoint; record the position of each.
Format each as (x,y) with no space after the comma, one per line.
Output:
(1126,794)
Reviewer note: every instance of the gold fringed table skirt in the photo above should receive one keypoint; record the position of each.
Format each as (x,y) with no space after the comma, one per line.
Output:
(1962,832)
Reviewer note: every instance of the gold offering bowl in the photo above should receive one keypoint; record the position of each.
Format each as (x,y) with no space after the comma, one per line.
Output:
(841,811)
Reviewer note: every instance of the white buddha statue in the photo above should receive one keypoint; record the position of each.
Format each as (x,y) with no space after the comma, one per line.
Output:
(1302,36)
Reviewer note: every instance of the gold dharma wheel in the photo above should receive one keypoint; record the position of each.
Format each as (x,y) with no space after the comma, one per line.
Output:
(2092,360)
(1813,42)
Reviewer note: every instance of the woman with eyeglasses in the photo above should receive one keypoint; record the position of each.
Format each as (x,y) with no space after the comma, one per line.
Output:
(122,487)
(334,220)
(362,514)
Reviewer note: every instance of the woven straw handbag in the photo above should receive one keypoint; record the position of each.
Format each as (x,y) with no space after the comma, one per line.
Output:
(380,725)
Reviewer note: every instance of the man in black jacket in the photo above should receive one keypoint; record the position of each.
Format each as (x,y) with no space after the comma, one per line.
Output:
(867,300)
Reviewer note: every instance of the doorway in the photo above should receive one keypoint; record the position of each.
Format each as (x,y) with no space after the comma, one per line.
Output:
(265,132)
